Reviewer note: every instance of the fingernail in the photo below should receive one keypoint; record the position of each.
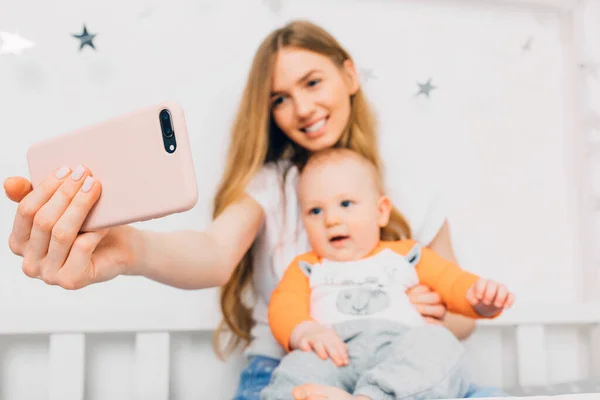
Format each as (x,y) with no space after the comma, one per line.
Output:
(87,184)
(61,173)
(78,173)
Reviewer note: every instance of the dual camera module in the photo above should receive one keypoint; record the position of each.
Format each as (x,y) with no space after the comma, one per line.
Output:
(168,133)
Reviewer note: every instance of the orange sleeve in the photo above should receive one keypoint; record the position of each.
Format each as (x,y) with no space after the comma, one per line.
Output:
(290,301)
(444,277)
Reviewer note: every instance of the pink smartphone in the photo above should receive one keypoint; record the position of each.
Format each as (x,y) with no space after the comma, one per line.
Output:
(142,159)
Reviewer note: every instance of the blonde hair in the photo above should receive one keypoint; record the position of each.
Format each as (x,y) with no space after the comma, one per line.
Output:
(257,140)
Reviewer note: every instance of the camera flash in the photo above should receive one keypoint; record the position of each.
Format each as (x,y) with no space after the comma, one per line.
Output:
(171,147)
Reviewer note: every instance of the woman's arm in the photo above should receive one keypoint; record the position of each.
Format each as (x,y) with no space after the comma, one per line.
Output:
(46,235)
(462,327)
(197,260)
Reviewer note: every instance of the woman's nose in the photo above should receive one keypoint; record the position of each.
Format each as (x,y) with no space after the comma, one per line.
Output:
(305,107)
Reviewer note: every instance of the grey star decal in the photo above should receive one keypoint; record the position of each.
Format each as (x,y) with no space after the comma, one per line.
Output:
(86,39)
(425,88)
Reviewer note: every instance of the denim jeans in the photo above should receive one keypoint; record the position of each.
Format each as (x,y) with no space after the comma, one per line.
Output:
(256,376)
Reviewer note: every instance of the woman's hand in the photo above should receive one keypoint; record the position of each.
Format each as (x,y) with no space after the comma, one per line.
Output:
(46,229)
(428,303)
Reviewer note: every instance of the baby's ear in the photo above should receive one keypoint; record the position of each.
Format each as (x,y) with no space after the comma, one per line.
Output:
(305,267)
(384,208)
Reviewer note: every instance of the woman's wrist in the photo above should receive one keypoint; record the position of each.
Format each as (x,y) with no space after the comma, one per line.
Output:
(462,327)
(135,240)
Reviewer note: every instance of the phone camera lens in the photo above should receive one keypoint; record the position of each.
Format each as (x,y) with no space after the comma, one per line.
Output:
(166,124)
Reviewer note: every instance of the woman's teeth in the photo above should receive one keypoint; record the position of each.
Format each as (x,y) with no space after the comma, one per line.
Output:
(316,126)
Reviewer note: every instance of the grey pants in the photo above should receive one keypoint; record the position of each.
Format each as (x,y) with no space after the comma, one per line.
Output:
(387,361)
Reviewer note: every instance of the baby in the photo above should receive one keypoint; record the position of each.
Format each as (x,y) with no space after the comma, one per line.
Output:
(341,311)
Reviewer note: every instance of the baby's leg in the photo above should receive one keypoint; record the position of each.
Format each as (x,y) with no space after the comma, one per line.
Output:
(420,363)
(300,367)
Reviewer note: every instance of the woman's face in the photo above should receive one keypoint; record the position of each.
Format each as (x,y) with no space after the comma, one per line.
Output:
(310,100)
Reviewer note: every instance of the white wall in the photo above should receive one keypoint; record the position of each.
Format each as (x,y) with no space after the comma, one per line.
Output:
(499,135)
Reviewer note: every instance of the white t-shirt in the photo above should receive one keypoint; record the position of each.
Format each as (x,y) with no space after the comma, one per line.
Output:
(282,236)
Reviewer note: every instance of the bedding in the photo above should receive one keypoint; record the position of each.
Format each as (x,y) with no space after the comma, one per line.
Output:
(591,386)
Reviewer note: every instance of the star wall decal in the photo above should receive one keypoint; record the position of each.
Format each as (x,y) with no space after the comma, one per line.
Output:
(86,39)
(425,88)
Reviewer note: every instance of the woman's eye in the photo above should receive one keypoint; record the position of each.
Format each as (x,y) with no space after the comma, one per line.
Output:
(277,101)
(313,82)
(315,211)
(346,203)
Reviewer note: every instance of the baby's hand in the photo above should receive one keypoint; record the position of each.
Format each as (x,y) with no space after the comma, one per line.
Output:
(312,336)
(489,297)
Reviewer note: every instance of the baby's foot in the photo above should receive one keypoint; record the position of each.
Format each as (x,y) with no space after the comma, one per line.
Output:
(311,391)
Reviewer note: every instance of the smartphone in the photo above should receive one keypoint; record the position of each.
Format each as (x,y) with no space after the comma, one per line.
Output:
(142,159)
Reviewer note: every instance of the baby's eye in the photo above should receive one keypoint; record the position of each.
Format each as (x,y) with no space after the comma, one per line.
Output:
(346,203)
(315,211)
(313,82)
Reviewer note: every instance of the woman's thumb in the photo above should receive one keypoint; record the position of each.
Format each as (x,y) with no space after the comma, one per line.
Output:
(17,188)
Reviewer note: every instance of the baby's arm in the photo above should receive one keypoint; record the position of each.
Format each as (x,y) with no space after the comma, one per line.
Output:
(290,303)
(450,281)
(290,320)
(455,285)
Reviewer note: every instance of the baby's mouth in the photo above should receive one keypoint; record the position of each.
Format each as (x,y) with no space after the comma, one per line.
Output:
(339,238)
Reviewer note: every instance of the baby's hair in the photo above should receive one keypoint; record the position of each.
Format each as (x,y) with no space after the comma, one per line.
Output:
(336,154)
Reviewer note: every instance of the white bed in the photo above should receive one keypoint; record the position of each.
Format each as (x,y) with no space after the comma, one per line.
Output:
(165,356)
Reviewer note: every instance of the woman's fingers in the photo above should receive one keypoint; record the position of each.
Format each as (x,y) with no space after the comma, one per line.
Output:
(432,298)
(44,222)
(66,229)
(434,311)
(416,290)
(433,321)
(29,206)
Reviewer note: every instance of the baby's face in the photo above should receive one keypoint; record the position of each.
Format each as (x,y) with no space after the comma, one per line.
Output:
(342,209)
